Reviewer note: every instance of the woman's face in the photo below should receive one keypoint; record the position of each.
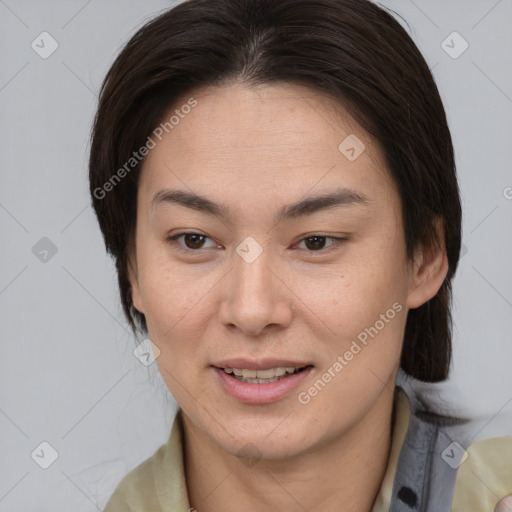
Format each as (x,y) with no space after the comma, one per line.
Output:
(240,264)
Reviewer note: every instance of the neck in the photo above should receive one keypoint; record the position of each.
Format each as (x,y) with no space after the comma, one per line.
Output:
(344,473)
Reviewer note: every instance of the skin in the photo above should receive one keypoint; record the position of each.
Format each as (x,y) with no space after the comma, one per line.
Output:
(255,149)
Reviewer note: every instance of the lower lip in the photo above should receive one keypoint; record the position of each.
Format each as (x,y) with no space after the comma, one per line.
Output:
(261,393)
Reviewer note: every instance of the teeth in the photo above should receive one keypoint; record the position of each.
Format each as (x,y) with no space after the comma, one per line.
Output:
(260,376)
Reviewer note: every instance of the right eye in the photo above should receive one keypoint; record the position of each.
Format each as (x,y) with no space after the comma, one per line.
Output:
(192,241)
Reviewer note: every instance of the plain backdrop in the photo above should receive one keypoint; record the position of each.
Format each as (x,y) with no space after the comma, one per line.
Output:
(68,374)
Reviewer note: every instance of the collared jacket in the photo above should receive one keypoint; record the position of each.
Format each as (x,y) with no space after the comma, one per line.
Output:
(432,467)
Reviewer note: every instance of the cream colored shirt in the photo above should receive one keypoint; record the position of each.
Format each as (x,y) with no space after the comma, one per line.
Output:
(158,484)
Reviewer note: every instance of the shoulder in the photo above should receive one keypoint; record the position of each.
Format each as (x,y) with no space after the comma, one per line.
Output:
(484,476)
(158,483)
(137,490)
(442,467)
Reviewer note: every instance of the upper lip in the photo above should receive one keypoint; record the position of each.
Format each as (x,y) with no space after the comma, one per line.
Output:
(260,364)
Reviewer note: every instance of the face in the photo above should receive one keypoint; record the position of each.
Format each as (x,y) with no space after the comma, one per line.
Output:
(267,239)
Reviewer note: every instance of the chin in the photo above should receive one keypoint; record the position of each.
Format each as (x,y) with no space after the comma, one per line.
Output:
(271,443)
(254,451)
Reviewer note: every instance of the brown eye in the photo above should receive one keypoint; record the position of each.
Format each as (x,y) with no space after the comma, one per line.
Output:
(317,243)
(192,241)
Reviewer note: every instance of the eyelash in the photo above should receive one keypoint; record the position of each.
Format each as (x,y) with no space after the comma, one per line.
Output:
(337,241)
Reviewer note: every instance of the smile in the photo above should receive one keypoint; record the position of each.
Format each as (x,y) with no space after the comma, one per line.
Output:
(266,376)
(264,382)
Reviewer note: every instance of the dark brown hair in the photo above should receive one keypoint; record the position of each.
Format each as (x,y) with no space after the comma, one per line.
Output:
(350,49)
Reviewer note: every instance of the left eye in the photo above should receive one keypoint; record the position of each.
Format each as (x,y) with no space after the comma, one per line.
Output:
(315,243)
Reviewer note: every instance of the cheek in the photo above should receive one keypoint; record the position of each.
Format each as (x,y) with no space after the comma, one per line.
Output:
(174,310)
(358,291)
(168,289)
(175,315)
(364,323)
(361,318)
(177,306)
(361,303)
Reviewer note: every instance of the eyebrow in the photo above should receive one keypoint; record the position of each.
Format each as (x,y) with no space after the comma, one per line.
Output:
(341,197)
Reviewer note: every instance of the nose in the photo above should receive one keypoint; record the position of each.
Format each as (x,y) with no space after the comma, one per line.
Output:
(256,298)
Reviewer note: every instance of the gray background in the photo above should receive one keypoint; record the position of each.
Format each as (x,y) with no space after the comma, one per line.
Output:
(68,373)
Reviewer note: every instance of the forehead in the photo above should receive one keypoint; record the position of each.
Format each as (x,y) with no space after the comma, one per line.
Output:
(265,141)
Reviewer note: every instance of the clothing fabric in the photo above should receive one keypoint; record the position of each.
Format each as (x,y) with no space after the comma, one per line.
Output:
(430,468)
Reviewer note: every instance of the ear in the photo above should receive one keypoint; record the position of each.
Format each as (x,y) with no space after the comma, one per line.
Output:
(133,277)
(428,270)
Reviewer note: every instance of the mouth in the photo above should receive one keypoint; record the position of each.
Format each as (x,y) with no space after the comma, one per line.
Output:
(264,376)
(261,382)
